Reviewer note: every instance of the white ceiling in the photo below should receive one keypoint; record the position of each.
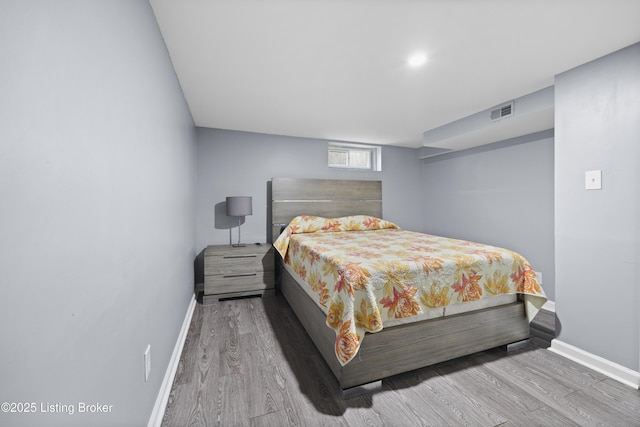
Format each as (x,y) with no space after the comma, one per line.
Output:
(336,69)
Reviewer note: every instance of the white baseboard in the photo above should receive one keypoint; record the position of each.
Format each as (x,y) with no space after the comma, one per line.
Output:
(163,395)
(549,306)
(611,369)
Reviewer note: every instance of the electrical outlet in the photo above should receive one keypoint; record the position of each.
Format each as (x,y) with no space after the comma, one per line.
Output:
(147,363)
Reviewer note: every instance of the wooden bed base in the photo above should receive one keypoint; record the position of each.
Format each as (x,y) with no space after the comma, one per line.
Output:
(409,346)
(399,348)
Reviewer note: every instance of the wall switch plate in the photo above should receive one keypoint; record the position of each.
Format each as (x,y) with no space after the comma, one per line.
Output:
(147,363)
(593,180)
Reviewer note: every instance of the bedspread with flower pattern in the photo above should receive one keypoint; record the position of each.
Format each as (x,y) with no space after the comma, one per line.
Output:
(365,270)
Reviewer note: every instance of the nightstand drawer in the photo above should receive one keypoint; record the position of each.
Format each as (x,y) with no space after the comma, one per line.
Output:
(219,284)
(237,264)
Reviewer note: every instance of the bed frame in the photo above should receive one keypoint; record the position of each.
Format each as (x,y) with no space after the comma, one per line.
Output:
(399,348)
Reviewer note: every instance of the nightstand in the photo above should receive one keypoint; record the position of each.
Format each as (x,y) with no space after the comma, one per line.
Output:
(238,271)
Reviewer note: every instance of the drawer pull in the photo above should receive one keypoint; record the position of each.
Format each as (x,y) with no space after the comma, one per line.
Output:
(226,276)
(240,256)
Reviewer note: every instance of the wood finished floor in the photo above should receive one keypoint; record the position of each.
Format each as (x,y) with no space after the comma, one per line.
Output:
(248,362)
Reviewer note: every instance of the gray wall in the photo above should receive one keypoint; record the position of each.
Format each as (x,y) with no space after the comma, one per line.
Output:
(234,163)
(97,160)
(598,231)
(500,194)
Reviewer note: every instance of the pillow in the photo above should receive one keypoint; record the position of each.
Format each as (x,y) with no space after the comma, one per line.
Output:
(318,224)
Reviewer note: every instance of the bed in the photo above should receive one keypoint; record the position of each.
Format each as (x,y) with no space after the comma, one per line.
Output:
(388,342)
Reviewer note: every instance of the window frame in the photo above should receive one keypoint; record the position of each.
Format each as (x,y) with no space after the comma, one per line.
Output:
(374,151)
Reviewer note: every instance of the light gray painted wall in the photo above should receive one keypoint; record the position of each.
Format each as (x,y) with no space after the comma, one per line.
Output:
(234,163)
(597,232)
(97,161)
(499,194)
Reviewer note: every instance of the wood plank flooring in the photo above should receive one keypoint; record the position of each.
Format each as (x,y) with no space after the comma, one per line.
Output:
(248,362)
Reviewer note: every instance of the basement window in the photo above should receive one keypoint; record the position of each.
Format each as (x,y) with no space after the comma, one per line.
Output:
(355,156)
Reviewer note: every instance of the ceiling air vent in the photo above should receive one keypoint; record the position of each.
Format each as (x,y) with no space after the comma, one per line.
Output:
(502,112)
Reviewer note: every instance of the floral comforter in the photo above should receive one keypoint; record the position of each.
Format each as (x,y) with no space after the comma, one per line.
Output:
(365,270)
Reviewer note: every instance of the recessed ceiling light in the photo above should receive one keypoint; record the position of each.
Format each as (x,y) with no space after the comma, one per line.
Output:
(417,60)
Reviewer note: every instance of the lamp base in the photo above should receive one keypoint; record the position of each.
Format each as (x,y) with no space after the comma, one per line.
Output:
(238,245)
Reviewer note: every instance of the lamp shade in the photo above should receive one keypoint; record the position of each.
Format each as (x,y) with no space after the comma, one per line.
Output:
(239,206)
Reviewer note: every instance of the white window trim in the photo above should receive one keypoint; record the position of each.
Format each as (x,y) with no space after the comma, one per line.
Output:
(375,152)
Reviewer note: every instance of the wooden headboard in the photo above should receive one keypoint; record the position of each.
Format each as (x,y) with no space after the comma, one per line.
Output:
(329,198)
